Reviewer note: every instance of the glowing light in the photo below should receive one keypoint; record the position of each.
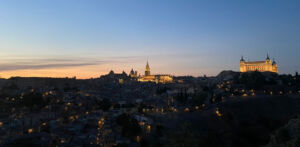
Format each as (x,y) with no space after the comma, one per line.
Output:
(1,124)
(121,81)
(175,110)
(218,112)
(72,118)
(141,123)
(186,109)
(62,141)
(30,131)
(101,122)
(138,138)
(148,128)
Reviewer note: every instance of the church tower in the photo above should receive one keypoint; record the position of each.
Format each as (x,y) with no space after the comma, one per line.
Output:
(242,65)
(268,60)
(274,66)
(147,71)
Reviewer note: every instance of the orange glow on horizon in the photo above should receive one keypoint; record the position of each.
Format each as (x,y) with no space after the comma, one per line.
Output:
(91,71)
(84,72)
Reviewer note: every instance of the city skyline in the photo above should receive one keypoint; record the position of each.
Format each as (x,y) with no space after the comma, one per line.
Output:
(88,39)
(52,67)
(150,73)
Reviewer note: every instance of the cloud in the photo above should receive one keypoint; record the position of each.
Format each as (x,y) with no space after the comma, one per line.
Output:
(23,64)
(35,63)
(41,66)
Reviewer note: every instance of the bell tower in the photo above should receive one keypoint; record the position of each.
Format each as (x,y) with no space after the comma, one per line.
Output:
(242,65)
(268,60)
(147,71)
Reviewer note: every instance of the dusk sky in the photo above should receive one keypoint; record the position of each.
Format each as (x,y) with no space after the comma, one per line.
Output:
(88,38)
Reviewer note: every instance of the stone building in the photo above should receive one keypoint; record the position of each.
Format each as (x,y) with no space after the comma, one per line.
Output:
(154,78)
(261,66)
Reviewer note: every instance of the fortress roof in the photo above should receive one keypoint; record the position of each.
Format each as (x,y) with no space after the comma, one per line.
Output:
(255,62)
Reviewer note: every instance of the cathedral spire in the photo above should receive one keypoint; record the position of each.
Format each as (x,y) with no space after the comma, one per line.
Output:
(147,71)
(147,66)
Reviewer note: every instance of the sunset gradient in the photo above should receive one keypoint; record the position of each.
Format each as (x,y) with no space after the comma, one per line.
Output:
(86,39)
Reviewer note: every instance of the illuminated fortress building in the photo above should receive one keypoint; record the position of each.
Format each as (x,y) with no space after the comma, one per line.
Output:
(261,66)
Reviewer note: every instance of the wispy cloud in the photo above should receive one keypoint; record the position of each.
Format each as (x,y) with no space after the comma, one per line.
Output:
(35,63)
(6,67)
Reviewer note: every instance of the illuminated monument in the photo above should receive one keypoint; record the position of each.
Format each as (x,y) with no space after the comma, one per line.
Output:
(147,71)
(261,66)
(154,78)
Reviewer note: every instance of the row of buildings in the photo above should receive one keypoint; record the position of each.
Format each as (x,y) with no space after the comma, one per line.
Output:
(153,78)
(147,77)
(262,66)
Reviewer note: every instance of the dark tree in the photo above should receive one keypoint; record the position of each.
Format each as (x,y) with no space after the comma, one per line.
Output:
(129,125)
(33,99)
(253,80)
(104,104)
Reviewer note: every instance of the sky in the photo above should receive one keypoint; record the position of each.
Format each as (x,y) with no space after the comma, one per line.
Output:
(88,38)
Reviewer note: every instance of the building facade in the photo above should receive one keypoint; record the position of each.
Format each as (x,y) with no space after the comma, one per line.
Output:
(133,74)
(262,66)
(154,78)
